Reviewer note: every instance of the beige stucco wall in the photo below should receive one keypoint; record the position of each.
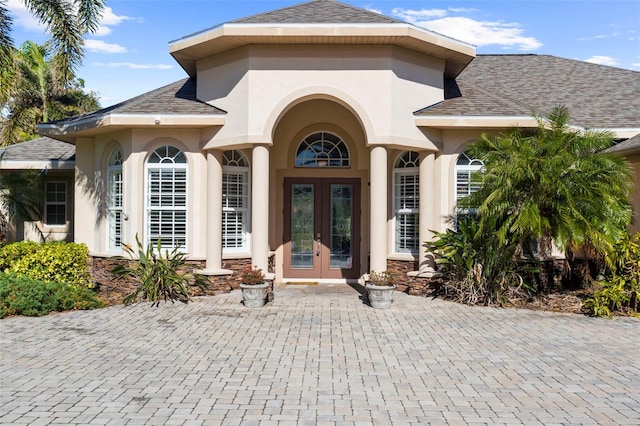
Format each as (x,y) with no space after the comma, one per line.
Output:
(634,161)
(381,85)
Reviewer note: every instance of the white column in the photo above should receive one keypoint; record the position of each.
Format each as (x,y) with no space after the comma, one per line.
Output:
(260,207)
(378,209)
(214,215)
(427,209)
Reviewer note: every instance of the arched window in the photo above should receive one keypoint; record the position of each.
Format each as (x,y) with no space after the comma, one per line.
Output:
(235,202)
(322,149)
(406,202)
(114,200)
(468,175)
(166,197)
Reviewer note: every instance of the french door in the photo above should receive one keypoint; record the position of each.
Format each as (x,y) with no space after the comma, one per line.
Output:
(322,228)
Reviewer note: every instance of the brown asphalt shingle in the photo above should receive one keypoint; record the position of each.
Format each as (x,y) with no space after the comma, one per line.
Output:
(41,149)
(318,12)
(175,98)
(597,96)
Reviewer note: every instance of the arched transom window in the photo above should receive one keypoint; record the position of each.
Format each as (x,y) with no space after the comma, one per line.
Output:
(114,199)
(468,175)
(322,149)
(235,202)
(406,202)
(166,197)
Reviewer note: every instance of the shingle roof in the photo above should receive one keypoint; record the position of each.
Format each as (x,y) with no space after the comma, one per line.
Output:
(318,12)
(175,98)
(632,144)
(41,149)
(597,96)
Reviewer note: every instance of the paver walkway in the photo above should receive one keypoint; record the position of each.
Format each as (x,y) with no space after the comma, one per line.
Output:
(318,355)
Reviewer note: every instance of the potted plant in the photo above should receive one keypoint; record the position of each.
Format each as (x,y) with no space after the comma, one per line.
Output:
(253,286)
(380,287)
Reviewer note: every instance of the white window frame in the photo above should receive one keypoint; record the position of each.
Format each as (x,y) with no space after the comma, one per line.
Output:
(475,165)
(236,163)
(115,201)
(167,163)
(404,168)
(48,203)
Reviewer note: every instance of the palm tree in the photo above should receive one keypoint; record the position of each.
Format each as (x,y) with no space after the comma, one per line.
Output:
(556,185)
(67,21)
(37,94)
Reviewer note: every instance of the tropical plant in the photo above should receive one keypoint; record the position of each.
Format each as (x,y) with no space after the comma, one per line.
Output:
(66,20)
(38,94)
(621,286)
(21,196)
(161,276)
(252,275)
(479,268)
(382,279)
(556,185)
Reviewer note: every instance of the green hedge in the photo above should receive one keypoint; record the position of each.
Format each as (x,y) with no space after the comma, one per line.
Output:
(48,262)
(20,295)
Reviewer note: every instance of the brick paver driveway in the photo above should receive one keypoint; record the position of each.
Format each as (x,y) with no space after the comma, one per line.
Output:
(318,355)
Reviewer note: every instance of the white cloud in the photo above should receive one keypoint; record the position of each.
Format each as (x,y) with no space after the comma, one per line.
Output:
(133,65)
(22,17)
(602,60)
(372,9)
(416,15)
(110,19)
(103,47)
(478,33)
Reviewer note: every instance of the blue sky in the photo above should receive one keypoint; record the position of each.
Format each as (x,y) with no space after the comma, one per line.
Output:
(129,55)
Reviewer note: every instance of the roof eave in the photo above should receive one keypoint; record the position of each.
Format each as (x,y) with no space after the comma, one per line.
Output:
(187,51)
(467,122)
(37,165)
(108,122)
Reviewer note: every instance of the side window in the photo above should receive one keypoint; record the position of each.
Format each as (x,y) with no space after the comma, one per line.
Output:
(55,203)
(468,175)
(406,203)
(114,200)
(235,202)
(166,197)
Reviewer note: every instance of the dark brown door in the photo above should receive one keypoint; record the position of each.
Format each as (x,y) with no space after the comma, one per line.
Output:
(322,228)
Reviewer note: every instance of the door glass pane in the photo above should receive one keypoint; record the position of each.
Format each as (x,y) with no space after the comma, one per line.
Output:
(341,244)
(302,205)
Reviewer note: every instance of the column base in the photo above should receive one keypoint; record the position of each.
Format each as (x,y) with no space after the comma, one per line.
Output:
(425,273)
(213,272)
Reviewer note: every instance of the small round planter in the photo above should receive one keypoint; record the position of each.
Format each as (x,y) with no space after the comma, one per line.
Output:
(380,297)
(254,296)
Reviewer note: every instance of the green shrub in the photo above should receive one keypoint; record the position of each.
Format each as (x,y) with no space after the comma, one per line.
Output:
(11,253)
(21,295)
(622,283)
(158,274)
(55,261)
(479,269)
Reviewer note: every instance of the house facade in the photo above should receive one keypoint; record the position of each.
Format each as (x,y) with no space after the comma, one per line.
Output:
(317,142)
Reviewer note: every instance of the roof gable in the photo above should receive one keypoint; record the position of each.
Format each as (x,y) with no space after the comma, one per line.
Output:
(318,12)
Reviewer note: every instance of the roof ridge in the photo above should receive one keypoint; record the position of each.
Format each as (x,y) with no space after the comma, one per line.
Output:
(271,13)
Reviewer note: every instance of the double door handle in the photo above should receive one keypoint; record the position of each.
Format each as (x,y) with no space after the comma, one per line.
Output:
(319,243)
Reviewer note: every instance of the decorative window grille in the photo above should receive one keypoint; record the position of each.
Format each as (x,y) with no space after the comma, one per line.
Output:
(406,202)
(166,198)
(322,149)
(55,203)
(114,200)
(235,202)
